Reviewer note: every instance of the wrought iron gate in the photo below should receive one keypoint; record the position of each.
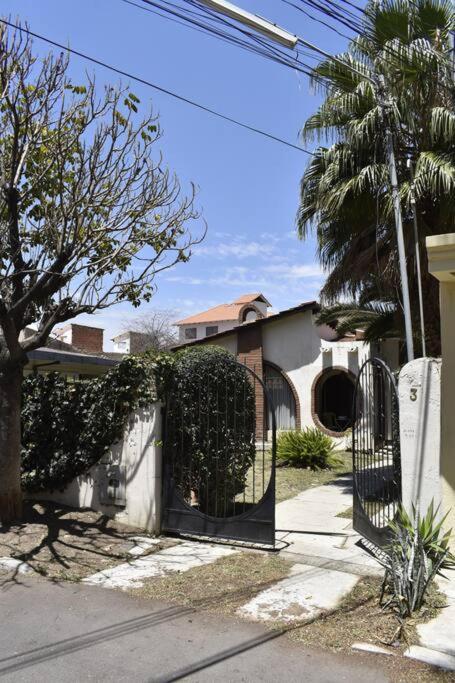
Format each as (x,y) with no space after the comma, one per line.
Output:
(376,452)
(219,468)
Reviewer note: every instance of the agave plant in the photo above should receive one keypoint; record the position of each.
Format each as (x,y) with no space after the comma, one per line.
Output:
(345,193)
(418,552)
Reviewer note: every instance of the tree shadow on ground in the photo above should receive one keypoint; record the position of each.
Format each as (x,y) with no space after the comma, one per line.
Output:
(62,543)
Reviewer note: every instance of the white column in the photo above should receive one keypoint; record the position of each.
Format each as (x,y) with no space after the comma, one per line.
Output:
(419,390)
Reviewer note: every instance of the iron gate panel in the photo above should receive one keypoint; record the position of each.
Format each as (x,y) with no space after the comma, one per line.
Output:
(376,452)
(226,488)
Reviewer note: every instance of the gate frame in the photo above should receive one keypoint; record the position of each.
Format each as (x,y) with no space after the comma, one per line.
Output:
(258,524)
(362,522)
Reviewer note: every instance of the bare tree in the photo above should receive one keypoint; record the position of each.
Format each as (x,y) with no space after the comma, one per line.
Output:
(153,331)
(88,215)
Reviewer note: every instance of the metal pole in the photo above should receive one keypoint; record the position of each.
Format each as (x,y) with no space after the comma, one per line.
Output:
(417,256)
(400,240)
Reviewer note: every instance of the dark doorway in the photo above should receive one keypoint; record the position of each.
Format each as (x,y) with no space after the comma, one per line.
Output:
(333,400)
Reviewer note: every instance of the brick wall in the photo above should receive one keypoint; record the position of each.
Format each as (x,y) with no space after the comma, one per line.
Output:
(249,352)
(83,337)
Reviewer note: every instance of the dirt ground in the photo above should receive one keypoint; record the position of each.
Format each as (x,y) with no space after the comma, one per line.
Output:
(222,587)
(65,544)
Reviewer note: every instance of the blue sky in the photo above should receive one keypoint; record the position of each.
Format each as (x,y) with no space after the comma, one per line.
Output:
(247,186)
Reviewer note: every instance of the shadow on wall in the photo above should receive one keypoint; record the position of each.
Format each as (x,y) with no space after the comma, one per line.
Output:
(126,483)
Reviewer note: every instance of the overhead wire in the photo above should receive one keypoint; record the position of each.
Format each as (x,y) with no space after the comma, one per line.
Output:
(157,87)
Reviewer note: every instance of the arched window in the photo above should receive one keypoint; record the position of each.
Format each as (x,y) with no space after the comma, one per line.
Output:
(333,394)
(249,315)
(282,398)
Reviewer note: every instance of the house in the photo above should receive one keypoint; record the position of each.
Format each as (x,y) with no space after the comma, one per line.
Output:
(75,351)
(222,318)
(308,370)
(131,342)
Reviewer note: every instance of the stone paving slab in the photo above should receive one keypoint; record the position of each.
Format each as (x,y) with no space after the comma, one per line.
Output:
(178,558)
(432,657)
(439,633)
(302,596)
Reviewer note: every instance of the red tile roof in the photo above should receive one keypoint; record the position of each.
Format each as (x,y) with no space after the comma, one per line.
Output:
(223,312)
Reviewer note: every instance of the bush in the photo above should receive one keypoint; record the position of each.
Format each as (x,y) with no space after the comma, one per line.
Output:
(418,552)
(209,427)
(306,448)
(69,426)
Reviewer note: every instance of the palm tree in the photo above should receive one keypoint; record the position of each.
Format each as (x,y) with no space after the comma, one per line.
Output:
(403,55)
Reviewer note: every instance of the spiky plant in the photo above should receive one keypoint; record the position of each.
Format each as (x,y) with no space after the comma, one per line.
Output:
(404,53)
(418,552)
(306,448)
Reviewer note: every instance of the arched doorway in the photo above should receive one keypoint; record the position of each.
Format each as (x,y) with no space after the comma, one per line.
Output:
(333,393)
(282,396)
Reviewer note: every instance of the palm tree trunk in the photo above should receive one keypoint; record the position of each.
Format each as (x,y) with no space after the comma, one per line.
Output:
(10,445)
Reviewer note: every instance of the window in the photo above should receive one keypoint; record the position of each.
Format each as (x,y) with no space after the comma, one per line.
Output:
(333,395)
(249,315)
(190,333)
(212,329)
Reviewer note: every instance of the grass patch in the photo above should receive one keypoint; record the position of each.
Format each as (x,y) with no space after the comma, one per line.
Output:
(290,481)
(346,514)
(220,587)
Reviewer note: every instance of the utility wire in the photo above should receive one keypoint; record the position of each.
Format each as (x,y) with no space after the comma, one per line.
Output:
(159,88)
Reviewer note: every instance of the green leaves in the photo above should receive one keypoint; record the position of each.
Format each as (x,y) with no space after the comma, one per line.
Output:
(306,448)
(418,552)
(68,427)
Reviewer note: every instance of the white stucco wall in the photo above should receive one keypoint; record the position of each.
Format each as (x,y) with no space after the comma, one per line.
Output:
(140,453)
(295,345)
(223,326)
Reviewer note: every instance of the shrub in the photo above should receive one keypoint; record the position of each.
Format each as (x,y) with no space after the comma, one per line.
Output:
(418,552)
(306,448)
(210,425)
(69,426)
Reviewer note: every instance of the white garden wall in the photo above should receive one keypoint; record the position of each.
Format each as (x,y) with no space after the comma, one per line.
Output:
(135,462)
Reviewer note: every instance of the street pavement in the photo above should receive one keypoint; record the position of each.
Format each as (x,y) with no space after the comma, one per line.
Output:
(75,632)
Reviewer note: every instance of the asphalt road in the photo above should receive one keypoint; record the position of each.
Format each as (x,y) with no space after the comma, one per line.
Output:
(72,632)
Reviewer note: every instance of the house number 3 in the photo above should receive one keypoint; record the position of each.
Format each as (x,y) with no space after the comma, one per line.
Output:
(413,395)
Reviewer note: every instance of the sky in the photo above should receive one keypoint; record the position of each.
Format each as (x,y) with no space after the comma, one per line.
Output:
(248,186)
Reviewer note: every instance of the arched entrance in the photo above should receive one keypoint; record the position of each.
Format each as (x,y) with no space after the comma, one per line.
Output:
(283,399)
(333,392)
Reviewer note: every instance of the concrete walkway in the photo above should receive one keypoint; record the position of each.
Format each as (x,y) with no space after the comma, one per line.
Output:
(309,531)
(73,632)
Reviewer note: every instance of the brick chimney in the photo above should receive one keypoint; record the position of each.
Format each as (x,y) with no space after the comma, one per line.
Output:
(82,337)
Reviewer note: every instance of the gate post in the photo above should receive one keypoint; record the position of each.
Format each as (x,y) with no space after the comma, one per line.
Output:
(441,264)
(419,390)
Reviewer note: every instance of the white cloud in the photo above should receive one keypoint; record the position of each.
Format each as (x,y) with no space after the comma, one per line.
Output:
(295,271)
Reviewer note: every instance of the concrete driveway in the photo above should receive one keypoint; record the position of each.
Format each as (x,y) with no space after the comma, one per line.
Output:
(73,632)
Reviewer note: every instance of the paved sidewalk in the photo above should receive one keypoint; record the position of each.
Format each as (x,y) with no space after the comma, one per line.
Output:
(74,632)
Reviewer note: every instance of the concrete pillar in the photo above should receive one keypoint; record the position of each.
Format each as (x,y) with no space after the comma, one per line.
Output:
(441,263)
(419,390)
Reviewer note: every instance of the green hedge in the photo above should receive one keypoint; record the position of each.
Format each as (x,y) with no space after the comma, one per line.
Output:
(68,426)
(210,426)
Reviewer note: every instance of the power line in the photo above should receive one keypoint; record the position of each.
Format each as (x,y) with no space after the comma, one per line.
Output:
(159,88)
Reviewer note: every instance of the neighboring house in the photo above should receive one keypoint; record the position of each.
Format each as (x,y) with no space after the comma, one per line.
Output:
(309,372)
(131,342)
(247,308)
(75,351)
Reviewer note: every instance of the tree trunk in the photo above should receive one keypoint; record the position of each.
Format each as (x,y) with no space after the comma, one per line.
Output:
(10,445)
